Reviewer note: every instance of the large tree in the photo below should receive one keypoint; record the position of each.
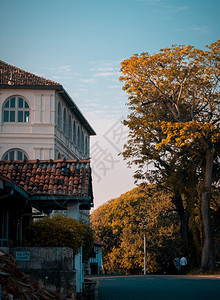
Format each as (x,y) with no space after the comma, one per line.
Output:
(121,223)
(174,125)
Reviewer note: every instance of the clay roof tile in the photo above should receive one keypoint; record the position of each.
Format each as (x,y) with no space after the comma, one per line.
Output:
(37,177)
(13,76)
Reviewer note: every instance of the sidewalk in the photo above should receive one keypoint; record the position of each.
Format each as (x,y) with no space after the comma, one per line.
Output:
(213,276)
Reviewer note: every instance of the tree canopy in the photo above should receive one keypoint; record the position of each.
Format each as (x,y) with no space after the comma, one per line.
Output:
(174,128)
(121,224)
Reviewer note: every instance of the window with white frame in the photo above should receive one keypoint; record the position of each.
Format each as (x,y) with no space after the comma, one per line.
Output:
(16,109)
(78,138)
(15,154)
(70,127)
(64,121)
(74,131)
(87,146)
(59,116)
(82,142)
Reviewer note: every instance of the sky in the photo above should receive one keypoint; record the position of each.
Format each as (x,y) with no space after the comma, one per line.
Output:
(81,43)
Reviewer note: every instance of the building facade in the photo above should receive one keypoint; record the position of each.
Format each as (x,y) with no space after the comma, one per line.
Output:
(38,119)
(44,154)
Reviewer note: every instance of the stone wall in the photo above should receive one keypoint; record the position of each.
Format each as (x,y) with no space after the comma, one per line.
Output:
(52,267)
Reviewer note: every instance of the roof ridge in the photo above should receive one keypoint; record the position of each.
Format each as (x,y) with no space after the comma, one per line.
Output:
(45,161)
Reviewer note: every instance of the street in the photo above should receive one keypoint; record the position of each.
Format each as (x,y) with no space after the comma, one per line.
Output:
(154,287)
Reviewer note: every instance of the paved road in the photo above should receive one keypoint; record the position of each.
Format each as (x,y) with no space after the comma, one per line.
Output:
(157,288)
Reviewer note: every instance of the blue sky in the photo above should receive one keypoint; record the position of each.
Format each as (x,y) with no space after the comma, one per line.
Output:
(80,44)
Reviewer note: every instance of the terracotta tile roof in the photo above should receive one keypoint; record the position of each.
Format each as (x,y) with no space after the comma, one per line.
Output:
(70,178)
(13,76)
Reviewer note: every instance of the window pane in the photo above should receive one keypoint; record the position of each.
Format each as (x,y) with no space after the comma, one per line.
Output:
(11,155)
(12,116)
(20,103)
(12,102)
(19,154)
(25,157)
(26,116)
(6,116)
(26,105)
(5,157)
(20,116)
(7,104)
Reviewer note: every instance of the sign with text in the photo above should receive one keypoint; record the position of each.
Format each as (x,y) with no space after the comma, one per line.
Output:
(22,255)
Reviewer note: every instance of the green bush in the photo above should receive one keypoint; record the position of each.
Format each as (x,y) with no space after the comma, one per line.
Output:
(61,231)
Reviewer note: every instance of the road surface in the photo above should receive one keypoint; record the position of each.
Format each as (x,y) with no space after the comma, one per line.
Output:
(157,287)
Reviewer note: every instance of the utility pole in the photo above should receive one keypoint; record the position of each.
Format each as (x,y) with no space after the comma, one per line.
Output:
(144,253)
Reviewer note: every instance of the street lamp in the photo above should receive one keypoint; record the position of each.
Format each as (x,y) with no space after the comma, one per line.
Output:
(143,225)
(144,253)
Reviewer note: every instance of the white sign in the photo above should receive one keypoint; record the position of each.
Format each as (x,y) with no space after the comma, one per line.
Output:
(22,256)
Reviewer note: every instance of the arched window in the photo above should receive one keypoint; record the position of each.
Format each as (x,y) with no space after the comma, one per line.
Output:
(15,154)
(16,109)
(59,116)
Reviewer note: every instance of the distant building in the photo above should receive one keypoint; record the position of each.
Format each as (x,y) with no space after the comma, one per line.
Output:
(96,260)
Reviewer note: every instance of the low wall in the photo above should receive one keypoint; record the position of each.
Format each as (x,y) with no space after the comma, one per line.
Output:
(52,267)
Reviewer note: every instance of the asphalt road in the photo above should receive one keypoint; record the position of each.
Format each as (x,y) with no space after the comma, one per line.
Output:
(157,287)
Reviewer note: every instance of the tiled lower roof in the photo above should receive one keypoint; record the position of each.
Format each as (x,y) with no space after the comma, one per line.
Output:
(50,177)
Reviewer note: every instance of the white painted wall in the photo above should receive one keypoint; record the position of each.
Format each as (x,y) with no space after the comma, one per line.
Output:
(40,138)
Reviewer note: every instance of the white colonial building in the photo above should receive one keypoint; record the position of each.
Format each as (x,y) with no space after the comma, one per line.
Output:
(40,125)
(38,119)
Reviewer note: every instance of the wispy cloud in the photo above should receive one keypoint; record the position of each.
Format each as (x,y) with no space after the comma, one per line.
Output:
(165,8)
(115,86)
(62,73)
(175,9)
(105,69)
(67,68)
(200,29)
(104,74)
(88,80)
(150,2)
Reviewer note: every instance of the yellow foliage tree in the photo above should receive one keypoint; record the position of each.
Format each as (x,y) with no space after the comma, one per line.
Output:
(174,122)
(121,223)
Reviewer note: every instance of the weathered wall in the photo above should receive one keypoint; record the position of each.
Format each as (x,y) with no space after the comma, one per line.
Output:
(52,267)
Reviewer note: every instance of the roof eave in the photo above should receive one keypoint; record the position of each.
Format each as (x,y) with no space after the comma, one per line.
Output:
(60,202)
(64,95)
(76,110)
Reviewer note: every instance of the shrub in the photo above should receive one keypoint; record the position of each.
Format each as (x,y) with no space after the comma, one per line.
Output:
(61,231)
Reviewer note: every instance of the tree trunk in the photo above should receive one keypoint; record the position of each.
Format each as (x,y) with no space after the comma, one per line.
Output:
(208,253)
(184,220)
